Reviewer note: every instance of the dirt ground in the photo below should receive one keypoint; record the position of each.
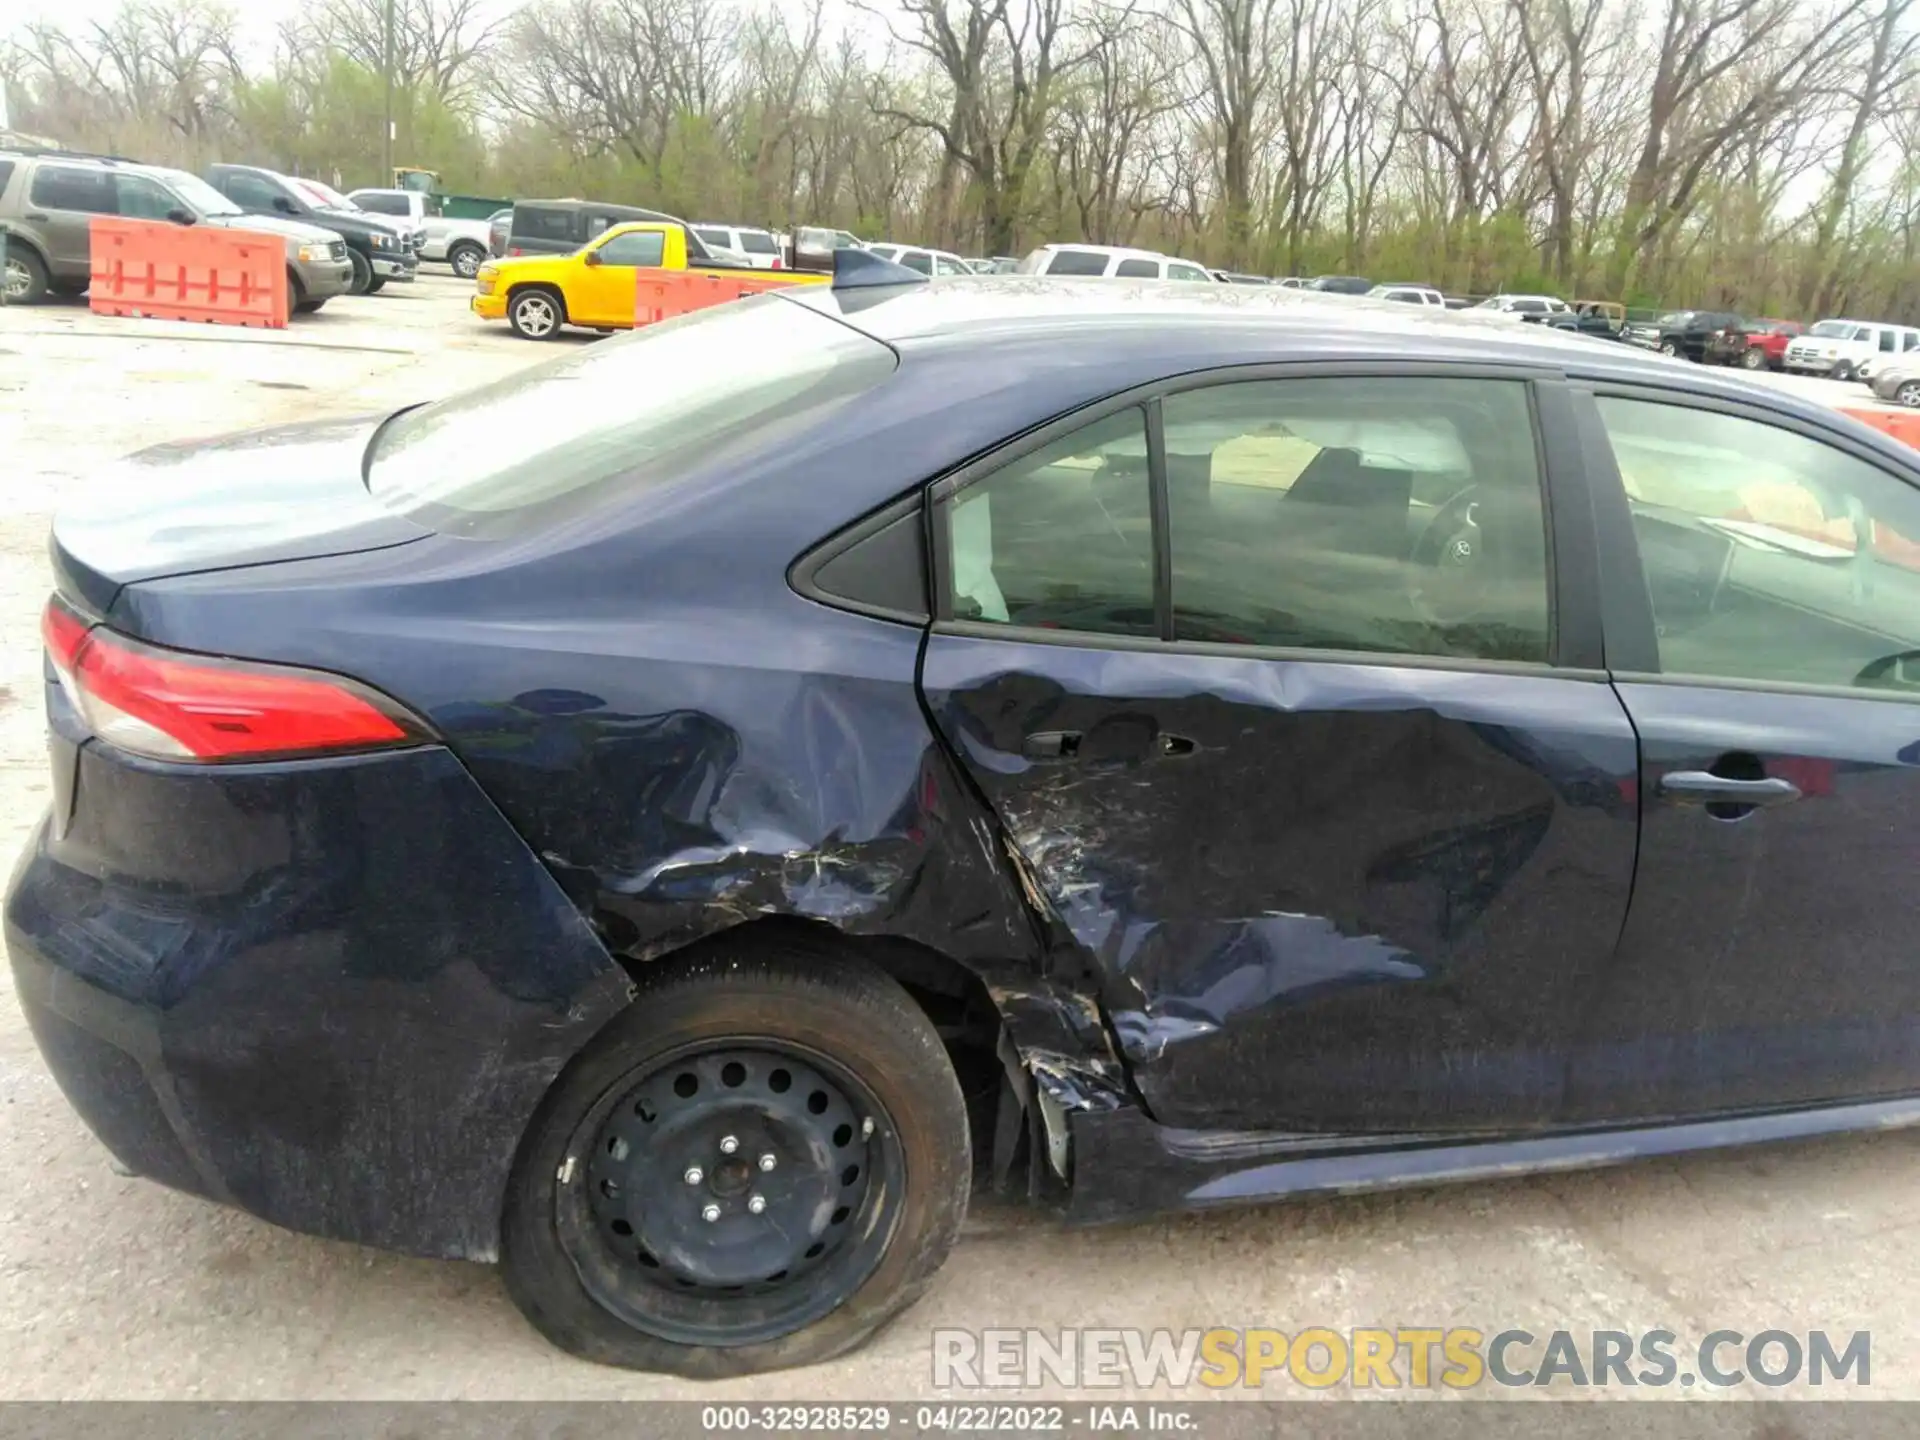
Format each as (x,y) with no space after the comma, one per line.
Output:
(114,1287)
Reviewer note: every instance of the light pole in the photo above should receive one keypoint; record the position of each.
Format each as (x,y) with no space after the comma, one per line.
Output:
(386,70)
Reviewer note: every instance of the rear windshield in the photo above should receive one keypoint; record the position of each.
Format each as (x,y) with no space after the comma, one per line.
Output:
(758,242)
(640,411)
(1078,262)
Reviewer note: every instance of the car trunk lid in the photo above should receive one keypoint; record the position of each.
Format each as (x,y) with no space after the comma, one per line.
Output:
(290,493)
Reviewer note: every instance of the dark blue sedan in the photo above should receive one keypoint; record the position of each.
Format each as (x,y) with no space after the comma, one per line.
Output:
(676,820)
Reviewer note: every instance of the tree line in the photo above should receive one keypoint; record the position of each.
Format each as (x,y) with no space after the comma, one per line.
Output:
(1755,154)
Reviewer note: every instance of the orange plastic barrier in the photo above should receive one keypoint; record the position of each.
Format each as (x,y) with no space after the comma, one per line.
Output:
(164,271)
(1903,425)
(663,294)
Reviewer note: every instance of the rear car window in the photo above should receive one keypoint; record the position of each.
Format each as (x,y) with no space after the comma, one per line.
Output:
(538,224)
(1077,262)
(384,204)
(713,237)
(1138,270)
(69,187)
(660,405)
(758,242)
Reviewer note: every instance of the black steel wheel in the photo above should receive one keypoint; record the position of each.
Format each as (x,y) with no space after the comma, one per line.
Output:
(733,1194)
(753,1167)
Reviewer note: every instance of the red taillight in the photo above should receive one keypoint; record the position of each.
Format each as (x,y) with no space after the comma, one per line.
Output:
(516,250)
(175,706)
(776,263)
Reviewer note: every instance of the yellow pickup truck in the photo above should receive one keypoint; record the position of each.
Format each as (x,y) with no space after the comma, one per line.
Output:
(595,287)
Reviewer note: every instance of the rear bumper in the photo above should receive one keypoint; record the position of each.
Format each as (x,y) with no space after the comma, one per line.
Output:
(331,993)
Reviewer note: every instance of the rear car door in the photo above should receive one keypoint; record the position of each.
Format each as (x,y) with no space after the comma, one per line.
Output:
(1763,579)
(1284,687)
(61,204)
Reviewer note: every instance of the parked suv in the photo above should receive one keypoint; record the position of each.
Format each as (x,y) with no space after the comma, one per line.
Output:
(377,250)
(1111,260)
(761,247)
(560,227)
(48,201)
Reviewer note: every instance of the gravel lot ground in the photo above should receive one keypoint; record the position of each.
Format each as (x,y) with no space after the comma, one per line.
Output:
(113,1287)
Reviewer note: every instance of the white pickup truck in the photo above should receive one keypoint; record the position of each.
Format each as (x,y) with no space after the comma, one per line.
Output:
(459,243)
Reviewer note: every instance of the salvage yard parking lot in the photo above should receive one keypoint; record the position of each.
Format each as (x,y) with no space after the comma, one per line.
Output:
(94,1266)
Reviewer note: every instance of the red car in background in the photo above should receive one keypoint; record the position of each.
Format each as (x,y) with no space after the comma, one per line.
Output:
(1752,345)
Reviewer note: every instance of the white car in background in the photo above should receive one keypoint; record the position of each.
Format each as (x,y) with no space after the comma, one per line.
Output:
(1113,261)
(917,257)
(1409,295)
(1521,306)
(761,248)
(1849,349)
(463,244)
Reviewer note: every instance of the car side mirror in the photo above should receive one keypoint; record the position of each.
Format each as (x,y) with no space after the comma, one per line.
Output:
(181,217)
(592,257)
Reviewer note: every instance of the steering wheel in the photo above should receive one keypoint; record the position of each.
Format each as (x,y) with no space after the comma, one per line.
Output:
(1447,571)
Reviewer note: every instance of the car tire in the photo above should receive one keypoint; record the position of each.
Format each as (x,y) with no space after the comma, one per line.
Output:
(663,1263)
(1753,358)
(1908,394)
(1843,371)
(362,280)
(536,313)
(311,307)
(376,284)
(296,292)
(466,260)
(25,277)
(1667,347)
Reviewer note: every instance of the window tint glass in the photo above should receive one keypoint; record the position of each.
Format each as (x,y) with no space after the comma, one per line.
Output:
(538,224)
(943,265)
(1138,269)
(714,237)
(1395,515)
(251,191)
(383,204)
(67,187)
(1530,307)
(917,260)
(758,242)
(1061,538)
(637,247)
(142,199)
(1177,271)
(1889,341)
(1077,262)
(1770,556)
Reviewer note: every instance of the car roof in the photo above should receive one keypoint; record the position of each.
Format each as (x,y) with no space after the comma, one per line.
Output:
(1071,318)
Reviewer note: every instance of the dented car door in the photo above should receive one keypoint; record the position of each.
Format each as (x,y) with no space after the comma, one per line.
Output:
(1291,708)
